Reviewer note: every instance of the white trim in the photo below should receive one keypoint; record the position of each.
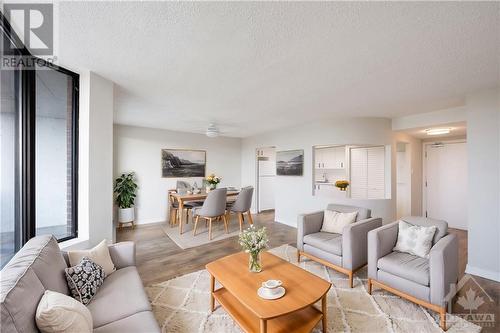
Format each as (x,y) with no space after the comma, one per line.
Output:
(485,273)
(424,166)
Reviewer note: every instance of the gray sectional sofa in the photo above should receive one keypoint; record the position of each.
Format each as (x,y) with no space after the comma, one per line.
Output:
(120,305)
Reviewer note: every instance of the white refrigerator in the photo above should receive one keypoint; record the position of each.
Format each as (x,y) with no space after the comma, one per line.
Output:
(267,174)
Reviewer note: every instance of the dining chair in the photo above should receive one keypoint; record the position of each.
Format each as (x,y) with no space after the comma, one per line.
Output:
(174,208)
(242,205)
(213,208)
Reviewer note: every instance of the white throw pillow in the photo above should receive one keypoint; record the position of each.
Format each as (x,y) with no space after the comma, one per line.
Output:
(414,239)
(99,254)
(335,221)
(58,313)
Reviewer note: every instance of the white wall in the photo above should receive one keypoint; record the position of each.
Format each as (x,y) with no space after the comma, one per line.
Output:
(483,147)
(293,195)
(415,151)
(482,114)
(95,162)
(138,149)
(101,160)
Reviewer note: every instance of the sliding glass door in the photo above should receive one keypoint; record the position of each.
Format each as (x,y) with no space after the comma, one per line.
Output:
(54,149)
(38,147)
(10,239)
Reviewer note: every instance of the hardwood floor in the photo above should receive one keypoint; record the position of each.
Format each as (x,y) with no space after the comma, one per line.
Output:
(160,259)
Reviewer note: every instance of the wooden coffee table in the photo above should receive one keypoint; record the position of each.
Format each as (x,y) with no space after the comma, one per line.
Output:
(294,312)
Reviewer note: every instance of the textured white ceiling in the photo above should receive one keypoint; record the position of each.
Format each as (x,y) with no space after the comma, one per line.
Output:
(255,67)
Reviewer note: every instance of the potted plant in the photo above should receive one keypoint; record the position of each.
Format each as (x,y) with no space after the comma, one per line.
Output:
(212,181)
(125,190)
(253,241)
(342,184)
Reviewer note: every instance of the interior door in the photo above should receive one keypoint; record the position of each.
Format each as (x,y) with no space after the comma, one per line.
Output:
(446,183)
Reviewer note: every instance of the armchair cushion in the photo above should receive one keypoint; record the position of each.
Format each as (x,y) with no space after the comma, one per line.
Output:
(380,243)
(442,226)
(326,241)
(335,221)
(407,266)
(414,239)
(363,213)
(308,224)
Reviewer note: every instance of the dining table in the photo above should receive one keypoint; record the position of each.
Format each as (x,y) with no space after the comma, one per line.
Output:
(182,198)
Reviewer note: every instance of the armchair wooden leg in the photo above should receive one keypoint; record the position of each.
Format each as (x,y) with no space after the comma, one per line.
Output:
(298,255)
(442,319)
(350,279)
(225,223)
(370,285)
(195,224)
(250,219)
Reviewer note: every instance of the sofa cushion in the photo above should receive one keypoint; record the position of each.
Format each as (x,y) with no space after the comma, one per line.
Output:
(407,266)
(21,293)
(84,280)
(98,254)
(58,313)
(120,296)
(363,213)
(326,241)
(38,266)
(43,255)
(139,322)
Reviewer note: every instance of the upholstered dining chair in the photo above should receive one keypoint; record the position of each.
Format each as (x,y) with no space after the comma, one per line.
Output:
(242,205)
(424,281)
(213,208)
(173,208)
(346,252)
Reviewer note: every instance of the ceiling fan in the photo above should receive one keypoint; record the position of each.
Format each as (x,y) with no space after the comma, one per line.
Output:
(212,131)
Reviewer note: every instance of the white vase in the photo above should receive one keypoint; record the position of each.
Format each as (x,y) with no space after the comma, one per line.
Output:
(126,215)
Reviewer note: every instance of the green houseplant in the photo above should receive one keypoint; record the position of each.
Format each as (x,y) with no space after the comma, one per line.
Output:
(125,193)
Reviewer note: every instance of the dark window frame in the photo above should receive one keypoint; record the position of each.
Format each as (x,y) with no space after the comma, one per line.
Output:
(26,227)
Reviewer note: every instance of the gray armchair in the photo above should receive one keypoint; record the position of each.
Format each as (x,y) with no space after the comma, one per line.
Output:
(424,281)
(346,252)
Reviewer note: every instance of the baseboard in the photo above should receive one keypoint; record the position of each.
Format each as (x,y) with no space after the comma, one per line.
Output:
(484,273)
(285,223)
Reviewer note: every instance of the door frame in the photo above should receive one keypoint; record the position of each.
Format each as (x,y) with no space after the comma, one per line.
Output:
(424,167)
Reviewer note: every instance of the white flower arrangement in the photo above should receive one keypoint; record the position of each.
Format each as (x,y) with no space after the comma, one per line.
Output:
(253,240)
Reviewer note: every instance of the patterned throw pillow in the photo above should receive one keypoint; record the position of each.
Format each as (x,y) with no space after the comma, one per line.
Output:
(414,239)
(84,280)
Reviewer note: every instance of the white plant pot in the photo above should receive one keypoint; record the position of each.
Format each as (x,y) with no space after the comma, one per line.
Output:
(125,215)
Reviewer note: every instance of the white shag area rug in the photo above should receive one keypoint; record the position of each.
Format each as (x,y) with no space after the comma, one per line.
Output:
(182,305)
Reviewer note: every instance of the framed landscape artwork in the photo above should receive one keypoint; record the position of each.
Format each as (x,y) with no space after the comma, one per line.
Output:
(290,162)
(182,163)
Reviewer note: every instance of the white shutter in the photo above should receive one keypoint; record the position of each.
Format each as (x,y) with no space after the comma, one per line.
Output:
(376,173)
(367,171)
(359,173)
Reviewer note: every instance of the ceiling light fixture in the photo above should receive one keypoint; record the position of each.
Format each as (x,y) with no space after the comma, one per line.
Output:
(212,131)
(437,131)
